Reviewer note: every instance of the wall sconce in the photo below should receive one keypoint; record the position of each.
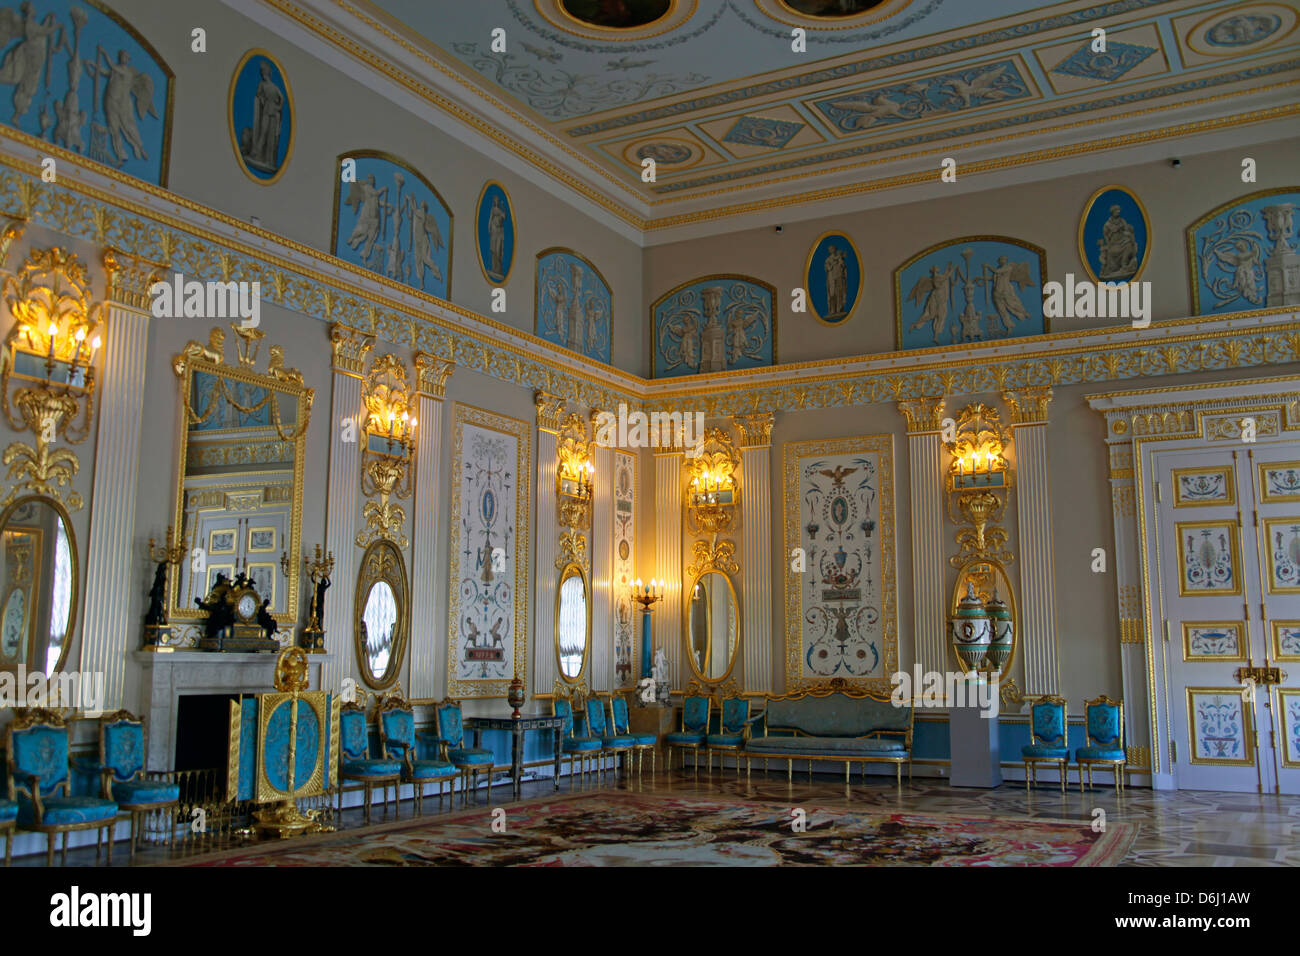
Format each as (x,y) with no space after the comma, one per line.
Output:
(389,448)
(978,479)
(713,492)
(574,474)
(52,344)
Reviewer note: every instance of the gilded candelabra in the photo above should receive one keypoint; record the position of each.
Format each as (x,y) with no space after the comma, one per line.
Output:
(647,595)
(53,344)
(318,570)
(156,629)
(713,492)
(977,482)
(574,475)
(389,450)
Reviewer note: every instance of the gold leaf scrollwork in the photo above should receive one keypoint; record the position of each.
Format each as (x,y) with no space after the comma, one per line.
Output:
(719,555)
(389,401)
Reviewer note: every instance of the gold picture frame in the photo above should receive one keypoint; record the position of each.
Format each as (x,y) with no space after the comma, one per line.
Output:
(1293,525)
(1237,627)
(1264,495)
(1183,501)
(213,543)
(1146,221)
(1290,749)
(1247,730)
(1230,526)
(270,549)
(1279,652)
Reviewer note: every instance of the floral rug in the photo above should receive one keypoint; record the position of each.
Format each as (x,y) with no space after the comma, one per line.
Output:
(627,829)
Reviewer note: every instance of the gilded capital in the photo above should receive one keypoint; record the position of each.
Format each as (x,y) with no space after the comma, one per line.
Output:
(1028,405)
(549,409)
(14,228)
(924,414)
(131,279)
(350,348)
(755,429)
(432,373)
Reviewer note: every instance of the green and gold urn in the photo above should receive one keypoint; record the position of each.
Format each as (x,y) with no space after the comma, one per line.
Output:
(971,629)
(1003,632)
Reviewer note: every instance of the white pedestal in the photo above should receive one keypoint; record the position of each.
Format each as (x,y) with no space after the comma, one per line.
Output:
(973,742)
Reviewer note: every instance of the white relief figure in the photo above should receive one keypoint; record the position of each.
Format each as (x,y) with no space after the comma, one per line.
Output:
(69,114)
(737,336)
(426,239)
(268,116)
(1117,249)
(393,267)
(24,64)
(936,288)
(1242,265)
(559,292)
(365,198)
(128,90)
(573,321)
(690,342)
(837,283)
(1006,300)
(595,313)
(497,238)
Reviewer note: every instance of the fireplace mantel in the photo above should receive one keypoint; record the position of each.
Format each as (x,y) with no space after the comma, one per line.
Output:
(167,677)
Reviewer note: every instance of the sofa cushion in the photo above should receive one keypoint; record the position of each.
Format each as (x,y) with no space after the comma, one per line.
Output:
(828,746)
(837,715)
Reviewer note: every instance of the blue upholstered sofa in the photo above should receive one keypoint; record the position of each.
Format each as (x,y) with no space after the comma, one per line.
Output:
(835,726)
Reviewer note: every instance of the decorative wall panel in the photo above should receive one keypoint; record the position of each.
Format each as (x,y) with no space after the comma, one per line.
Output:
(713,324)
(1219,727)
(488,553)
(972,289)
(1238,254)
(574,304)
(1283,537)
(625,619)
(1213,641)
(1207,555)
(392,221)
(840,611)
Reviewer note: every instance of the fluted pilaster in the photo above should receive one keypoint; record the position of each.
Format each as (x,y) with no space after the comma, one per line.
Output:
(925,488)
(602,571)
(546,534)
(668,560)
(428,598)
(756,543)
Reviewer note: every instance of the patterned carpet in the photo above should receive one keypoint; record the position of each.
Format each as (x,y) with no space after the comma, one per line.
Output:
(611,828)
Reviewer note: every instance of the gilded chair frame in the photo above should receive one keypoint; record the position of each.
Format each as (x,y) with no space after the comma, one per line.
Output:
(26,718)
(745,726)
(368,782)
(1031,763)
(897,760)
(607,716)
(464,771)
(9,826)
(572,695)
(1116,766)
(108,777)
(394,700)
(639,749)
(695,748)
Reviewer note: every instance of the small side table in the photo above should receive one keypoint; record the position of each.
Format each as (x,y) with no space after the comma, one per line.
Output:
(518,726)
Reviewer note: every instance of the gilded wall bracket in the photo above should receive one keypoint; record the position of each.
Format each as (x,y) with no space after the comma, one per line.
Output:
(387,455)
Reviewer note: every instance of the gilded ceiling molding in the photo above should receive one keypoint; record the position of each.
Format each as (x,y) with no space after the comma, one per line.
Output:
(924,414)
(130,279)
(755,429)
(1028,405)
(549,409)
(349,348)
(432,373)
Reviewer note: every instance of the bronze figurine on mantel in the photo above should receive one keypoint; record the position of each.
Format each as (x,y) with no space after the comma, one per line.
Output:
(157,632)
(318,571)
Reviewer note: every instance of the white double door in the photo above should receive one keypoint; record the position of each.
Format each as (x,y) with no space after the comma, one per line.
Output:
(1226,596)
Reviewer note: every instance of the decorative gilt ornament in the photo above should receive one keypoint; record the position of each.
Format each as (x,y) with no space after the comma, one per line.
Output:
(574,474)
(712,496)
(977,482)
(718,554)
(389,401)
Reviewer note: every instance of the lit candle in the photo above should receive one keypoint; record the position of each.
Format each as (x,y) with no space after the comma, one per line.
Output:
(94,347)
(52,332)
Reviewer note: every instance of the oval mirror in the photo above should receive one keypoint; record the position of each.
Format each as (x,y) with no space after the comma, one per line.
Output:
(40,585)
(381,614)
(712,626)
(572,623)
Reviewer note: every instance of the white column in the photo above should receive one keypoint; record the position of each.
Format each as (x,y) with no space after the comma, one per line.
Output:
(668,560)
(756,544)
(108,632)
(546,534)
(929,563)
(602,571)
(1037,626)
(428,594)
(344,486)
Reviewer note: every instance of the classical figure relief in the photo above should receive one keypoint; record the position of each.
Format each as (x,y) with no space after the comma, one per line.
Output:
(1117,249)
(573,304)
(712,326)
(1244,254)
(261,147)
(261,116)
(1114,235)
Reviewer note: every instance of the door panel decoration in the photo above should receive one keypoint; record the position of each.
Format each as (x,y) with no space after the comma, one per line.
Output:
(1214,641)
(1289,704)
(840,611)
(1195,487)
(1283,535)
(1219,727)
(1208,558)
(1286,640)
(488,607)
(1279,482)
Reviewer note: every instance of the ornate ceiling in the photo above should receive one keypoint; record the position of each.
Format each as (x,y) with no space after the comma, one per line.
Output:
(735,119)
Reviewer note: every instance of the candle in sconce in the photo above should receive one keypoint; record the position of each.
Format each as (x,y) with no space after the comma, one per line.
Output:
(52,332)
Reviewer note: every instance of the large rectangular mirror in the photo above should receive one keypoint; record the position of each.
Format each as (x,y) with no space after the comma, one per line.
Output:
(239,493)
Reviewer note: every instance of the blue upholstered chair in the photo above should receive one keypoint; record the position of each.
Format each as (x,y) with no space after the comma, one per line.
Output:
(397,742)
(355,762)
(1049,741)
(733,731)
(611,742)
(467,760)
(694,729)
(8,820)
(622,725)
(1103,721)
(121,763)
(39,780)
(575,747)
